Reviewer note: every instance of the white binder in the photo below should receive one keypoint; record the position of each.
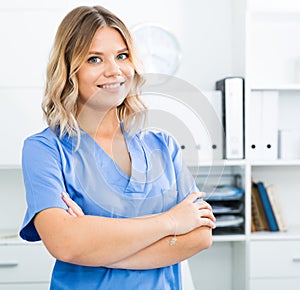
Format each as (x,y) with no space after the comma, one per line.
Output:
(213,145)
(253,126)
(233,116)
(262,139)
(200,136)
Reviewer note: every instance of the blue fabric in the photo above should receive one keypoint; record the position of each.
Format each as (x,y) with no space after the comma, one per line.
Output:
(159,180)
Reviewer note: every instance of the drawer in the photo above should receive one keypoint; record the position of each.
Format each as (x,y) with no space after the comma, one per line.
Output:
(275,284)
(275,259)
(38,286)
(25,263)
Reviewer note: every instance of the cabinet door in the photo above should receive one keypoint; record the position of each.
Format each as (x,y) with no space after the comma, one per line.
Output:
(275,259)
(274,284)
(22,263)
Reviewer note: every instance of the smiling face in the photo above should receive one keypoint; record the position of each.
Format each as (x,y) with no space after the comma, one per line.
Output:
(105,78)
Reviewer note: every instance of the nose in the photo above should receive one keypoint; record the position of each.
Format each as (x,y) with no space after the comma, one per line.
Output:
(112,68)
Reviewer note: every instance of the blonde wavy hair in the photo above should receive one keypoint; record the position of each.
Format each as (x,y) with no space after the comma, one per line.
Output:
(70,49)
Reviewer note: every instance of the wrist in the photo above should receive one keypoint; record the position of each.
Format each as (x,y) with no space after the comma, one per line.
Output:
(166,224)
(172,228)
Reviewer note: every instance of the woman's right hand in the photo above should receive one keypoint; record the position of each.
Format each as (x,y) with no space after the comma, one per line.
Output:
(191,213)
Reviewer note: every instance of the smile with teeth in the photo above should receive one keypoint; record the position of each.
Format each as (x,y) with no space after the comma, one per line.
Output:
(110,86)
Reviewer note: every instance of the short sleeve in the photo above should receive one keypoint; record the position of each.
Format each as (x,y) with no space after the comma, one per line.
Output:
(43,180)
(184,179)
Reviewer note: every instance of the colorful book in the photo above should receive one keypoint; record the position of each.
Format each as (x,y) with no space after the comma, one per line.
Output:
(258,213)
(276,208)
(267,207)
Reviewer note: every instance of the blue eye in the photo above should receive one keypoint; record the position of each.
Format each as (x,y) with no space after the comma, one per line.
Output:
(122,56)
(94,59)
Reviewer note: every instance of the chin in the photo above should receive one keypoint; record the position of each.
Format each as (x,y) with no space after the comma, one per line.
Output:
(112,104)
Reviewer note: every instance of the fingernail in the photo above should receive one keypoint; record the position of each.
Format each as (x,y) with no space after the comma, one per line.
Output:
(64,195)
(198,199)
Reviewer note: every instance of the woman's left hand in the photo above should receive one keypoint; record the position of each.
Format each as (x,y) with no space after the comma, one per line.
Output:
(74,209)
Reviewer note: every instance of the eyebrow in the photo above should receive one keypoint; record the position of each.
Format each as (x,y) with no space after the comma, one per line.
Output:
(101,53)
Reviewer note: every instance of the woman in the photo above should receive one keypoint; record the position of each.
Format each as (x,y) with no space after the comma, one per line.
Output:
(142,211)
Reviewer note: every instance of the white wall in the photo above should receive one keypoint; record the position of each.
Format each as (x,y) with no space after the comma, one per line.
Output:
(27,29)
(203,29)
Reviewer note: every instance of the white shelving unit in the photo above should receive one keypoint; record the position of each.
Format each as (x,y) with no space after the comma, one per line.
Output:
(264,260)
(272,64)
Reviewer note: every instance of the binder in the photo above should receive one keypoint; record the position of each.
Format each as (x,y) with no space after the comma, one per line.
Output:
(253,126)
(233,116)
(262,139)
(200,137)
(176,119)
(214,145)
(269,125)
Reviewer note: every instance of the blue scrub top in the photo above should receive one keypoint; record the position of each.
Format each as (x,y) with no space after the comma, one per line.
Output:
(159,180)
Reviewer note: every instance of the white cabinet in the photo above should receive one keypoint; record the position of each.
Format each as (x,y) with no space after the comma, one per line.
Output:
(265,260)
(272,65)
(275,259)
(275,284)
(274,264)
(24,263)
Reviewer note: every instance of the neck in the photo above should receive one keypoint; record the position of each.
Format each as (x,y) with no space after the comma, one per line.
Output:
(100,123)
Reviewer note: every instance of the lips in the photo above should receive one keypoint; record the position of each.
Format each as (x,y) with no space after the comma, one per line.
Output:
(111,85)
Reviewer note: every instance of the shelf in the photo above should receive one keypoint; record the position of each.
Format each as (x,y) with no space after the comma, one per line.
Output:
(276,87)
(271,6)
(223,162)
(275,14)
(228,238)
(291,234)
(277,162)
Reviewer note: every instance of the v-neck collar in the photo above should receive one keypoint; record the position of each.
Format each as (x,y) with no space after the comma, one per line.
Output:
(115,175)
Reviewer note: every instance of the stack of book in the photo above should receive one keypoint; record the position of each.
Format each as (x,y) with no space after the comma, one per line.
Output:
(227,203)
(265,208)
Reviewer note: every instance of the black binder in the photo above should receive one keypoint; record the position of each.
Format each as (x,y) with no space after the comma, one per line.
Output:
(233,116)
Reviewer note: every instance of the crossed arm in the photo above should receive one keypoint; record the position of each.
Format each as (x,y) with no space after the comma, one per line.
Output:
(133,243)
(161,253)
